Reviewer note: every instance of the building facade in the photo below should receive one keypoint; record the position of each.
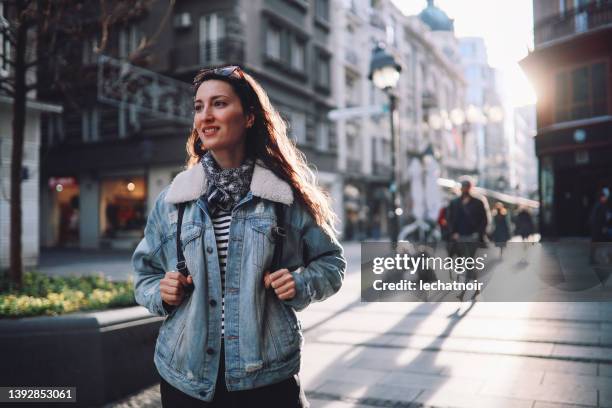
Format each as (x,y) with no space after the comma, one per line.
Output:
(105,164)
(571,69)
(486,116)
(429,85)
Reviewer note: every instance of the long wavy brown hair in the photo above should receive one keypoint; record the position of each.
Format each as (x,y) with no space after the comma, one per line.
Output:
(267,142)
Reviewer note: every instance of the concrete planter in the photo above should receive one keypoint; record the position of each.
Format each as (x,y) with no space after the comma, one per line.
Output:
(105,355)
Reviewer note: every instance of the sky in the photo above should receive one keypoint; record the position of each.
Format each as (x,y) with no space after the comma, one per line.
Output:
(507,28)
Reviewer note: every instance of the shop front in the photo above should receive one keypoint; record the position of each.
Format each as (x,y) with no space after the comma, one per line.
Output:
(122,211)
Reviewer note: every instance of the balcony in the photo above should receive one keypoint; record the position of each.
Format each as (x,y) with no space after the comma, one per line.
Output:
(593,15)
(209,53)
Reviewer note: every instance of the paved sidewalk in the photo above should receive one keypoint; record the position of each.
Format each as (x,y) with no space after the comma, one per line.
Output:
(114,264)
(532,355)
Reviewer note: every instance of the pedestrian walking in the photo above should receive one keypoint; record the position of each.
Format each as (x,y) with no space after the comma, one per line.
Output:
(501,227)
(600,221)
(467,222)
(523,223)
(231,337)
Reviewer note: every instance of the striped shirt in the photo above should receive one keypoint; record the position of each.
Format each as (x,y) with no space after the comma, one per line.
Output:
(221,223)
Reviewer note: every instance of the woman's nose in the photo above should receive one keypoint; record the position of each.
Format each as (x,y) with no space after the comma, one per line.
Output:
(205,115)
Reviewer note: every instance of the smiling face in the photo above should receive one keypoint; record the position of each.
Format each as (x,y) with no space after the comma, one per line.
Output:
(220,122)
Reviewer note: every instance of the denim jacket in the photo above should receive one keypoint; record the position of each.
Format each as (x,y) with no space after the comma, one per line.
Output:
(262,338)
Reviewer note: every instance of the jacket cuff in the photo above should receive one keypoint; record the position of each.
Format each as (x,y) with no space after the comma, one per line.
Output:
(302,296)
(163,308)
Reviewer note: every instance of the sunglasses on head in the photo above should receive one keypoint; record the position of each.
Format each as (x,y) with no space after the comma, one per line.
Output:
(227,71)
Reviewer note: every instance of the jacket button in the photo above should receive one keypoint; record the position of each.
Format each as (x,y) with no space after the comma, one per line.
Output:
(210,351)
(209,250)
(212,302)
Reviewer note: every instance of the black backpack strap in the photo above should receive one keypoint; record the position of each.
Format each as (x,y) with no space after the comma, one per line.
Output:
(279,234)
(181,265)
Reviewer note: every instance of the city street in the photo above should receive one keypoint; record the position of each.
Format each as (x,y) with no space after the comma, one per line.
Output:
(539,355)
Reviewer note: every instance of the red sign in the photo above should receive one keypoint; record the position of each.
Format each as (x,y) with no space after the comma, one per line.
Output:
(64,181)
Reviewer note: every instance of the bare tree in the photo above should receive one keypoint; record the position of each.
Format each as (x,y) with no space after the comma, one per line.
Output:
(37,32)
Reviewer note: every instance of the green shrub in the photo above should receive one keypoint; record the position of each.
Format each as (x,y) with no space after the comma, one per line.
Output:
(54,295)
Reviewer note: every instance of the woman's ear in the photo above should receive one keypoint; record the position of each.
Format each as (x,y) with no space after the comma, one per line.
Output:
(250,120)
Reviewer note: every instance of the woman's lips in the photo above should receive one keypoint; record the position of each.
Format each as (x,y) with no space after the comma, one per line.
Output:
(210,131)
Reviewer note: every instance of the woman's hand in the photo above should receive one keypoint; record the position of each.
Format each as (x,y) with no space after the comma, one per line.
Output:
(282,282)
(171,287)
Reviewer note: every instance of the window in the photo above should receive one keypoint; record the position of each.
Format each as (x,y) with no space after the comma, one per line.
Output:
(352,90)
(322,10)
(273,42)
(212,36)
(298,127)
(581,92)
(322,136)
(298,55)
(392,30)
(323,73)
(55,129)
(296,124)
(129,38)
(89,54)
(90,125)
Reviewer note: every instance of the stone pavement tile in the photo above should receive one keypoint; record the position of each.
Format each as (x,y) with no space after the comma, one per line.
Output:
(519,388)
(491,370)
(540,404)
(605,338)
(376,391)
(400,360)
(573,336)
(512,347)
(419,342)
(432,382)
(605,398)
(321,403)
(605,370)
(575,367)
(586,381)
(560,350)
(354,337)
(473,345)
(359,377)
(461,400)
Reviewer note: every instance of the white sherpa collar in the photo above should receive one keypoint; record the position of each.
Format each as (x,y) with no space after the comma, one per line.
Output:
(190,184)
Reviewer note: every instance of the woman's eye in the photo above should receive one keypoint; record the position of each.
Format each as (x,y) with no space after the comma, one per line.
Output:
(197,108)
(220,103)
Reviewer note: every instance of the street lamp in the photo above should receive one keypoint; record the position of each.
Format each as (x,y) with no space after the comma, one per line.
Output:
(385,73)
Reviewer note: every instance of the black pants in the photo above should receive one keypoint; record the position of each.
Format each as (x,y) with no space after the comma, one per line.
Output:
(285,394)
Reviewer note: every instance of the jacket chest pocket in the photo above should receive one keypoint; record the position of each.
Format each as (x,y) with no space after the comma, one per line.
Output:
(261,241)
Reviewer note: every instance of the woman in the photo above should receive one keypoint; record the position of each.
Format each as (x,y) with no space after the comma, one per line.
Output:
(234,339)
(524,224)
(501,231)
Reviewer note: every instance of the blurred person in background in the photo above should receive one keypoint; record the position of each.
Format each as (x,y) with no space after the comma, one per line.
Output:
(501,227)
(231,337)
(523,223)
(600,221)
(468,217)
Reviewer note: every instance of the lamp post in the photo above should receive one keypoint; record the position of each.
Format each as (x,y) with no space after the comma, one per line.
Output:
(385,73)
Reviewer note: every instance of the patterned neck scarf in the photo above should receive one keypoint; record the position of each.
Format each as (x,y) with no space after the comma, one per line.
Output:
(226,187)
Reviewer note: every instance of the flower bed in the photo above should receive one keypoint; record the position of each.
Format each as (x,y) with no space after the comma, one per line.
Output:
(50,296)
